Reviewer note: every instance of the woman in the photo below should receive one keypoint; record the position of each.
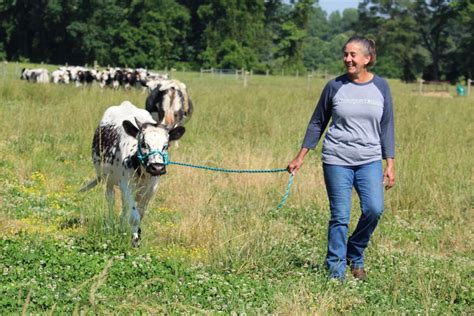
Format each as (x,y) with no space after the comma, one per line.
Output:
(360,136)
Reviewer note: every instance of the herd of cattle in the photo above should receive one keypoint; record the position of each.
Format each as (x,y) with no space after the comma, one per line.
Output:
(109,77)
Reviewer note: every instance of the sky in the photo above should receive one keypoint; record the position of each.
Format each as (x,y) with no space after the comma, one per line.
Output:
(338,5)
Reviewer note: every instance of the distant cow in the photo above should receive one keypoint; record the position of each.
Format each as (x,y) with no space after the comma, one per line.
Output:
(61,76)
(169,103)
(39,75)
(129,150)
(85,77)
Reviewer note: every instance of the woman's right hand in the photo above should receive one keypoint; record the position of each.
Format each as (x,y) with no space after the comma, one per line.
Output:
(296,163)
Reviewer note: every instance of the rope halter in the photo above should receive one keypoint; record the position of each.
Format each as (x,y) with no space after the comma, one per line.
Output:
(143,157)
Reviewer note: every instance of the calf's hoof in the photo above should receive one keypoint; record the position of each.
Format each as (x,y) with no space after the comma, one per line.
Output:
(136,237)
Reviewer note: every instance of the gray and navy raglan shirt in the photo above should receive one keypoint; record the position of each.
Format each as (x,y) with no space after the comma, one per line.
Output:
(362,128)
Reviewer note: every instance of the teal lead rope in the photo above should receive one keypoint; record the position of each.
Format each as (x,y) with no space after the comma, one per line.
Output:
(288,186)
(287,192)
(166,161)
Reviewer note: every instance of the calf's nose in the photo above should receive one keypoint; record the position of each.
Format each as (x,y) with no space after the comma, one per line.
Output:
(156,169)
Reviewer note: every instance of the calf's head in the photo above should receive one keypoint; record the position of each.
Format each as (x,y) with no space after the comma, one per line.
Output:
(152,143)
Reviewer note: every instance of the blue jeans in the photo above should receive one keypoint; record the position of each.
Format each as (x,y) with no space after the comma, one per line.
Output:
(367,179)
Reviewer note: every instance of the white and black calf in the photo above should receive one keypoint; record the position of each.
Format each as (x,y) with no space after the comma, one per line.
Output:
(129,149)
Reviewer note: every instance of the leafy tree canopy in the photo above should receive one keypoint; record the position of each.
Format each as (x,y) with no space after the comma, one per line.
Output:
(432,39)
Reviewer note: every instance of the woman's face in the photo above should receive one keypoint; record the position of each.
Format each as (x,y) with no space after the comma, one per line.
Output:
(354,59)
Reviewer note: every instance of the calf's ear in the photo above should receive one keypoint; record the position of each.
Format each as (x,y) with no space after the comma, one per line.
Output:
(177,132)
(143,124)
(129,128)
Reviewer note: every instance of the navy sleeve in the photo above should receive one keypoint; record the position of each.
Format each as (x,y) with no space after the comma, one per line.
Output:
(319,119)
(387,126)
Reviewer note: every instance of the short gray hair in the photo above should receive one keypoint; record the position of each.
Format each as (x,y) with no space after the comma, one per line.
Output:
(368,45)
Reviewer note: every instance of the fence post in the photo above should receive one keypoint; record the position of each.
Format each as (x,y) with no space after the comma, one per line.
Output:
(420,86)
(267,72)
(308,81)
(4,69)
(469,81)
(201,72)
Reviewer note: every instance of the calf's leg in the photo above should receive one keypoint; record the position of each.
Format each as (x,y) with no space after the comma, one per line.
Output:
(110,197)
(145,195)
(129,204)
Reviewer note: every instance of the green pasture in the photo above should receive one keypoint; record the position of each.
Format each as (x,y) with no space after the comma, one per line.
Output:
(214,242)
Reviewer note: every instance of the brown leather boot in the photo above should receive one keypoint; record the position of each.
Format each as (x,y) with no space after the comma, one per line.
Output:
(359,273)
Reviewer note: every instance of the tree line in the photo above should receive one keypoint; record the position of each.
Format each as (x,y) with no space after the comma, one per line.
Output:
(432,39)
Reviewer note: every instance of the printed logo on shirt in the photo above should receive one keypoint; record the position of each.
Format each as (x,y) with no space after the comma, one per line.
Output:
(355,101)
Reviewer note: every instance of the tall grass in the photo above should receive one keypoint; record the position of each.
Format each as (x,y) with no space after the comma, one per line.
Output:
(420,256)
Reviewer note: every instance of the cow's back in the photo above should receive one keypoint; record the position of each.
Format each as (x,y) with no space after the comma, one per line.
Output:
(115,115)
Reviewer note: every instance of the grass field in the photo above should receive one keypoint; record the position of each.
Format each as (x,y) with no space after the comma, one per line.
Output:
(214,242)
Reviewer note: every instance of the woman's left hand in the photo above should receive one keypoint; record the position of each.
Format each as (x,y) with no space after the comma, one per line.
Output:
(389,174)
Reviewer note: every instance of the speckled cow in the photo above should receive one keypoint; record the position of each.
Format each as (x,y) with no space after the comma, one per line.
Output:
(169,103)
(128,150)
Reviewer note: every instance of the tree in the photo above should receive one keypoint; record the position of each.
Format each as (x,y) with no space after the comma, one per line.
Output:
(323,49)
(19,40)
(462,59)
(433,18)
(318,25)
(238,24)
(350,18)
(325,55)
(288,50)
(335,23)
(292,36)
(195,41)
(408,29)
(391,25)
(276,13)
(151,35)
(429,38)
(94,31)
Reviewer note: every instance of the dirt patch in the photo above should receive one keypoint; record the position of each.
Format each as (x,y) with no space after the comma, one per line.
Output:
(437,94)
